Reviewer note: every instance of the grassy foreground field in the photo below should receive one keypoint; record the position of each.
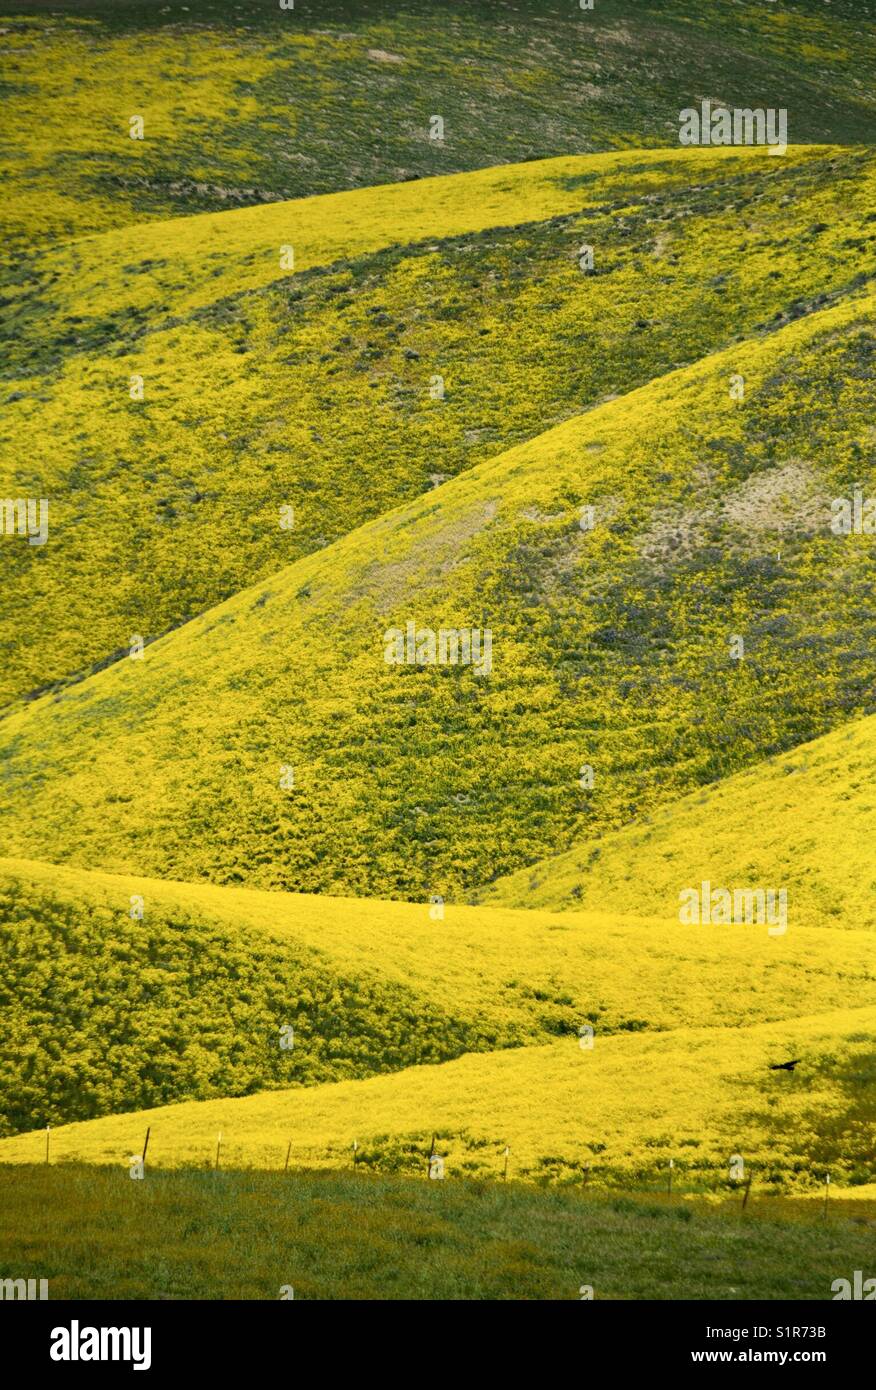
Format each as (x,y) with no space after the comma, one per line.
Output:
(231,1235)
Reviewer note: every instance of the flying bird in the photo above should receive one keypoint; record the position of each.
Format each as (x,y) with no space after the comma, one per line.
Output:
(784,1066)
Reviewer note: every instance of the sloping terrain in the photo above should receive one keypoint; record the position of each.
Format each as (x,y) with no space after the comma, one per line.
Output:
(625,1107)
(245,103)
(108,1011)
(316,392)
(805,821)
(92,291)
(270,742)
(440,579)
(105,1011)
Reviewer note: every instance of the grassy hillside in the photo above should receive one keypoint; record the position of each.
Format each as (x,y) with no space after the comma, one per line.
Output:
(316,399)
(611,647)
(105,1012)
(313,391)
(616,1113)
(344,1236)
(247,103)
(91,292)
(805,821)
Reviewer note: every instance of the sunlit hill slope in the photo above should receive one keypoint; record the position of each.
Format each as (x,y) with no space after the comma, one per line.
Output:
(270,742)
(805,821)
(120,993)
(200,416)
(616,1113)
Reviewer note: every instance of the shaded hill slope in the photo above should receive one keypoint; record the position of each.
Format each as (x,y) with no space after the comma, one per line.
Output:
(106,1011)
(805,821)
(248,103)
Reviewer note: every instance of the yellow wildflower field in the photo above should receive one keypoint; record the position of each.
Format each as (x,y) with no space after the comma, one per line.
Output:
(623,1109)
(612,639)
(805,820)
(563,989)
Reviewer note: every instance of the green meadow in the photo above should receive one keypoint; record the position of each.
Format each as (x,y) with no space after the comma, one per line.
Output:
(231,1235)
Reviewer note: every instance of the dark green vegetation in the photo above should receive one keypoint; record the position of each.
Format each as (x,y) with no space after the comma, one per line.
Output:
(104,1013)
(268,104)
(234,1235)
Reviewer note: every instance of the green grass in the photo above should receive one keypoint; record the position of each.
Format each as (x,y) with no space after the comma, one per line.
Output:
(247,103)
(95,1234)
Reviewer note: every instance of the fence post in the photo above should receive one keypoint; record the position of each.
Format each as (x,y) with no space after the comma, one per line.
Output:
(747,1190)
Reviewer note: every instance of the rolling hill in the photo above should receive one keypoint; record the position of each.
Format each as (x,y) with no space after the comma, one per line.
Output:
(804,821)
(624,1108)
(187,998)
(270,742)
(350,385)
(249,103)
(441,576)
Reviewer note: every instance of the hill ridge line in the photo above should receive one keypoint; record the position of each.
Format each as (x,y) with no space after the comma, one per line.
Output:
(664,813)
(649,1040)
(248,896)
(642,154)
(809,323)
